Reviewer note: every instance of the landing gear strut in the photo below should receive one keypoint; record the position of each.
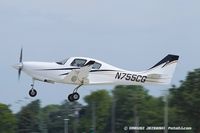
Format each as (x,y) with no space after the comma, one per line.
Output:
(32,91)
(74,96)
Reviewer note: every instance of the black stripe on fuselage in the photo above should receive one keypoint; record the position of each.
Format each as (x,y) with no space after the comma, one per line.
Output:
(64,74)
(75,68)
(91,71)
(103,70)
(58,69)
(54,69)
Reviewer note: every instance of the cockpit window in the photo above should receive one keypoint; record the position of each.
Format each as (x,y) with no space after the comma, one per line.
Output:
(62,62)
(78,62)
(96,65)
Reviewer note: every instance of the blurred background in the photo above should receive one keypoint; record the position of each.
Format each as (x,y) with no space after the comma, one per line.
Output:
(132,35)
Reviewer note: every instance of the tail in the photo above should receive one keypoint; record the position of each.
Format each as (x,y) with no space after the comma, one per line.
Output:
(162,72)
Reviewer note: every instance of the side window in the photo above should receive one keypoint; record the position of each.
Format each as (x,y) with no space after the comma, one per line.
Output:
(78,62)
(96,65)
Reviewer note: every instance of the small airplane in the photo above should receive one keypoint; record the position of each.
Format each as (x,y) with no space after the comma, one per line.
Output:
(86,71)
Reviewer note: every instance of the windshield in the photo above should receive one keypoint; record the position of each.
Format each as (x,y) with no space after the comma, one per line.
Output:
(62,62)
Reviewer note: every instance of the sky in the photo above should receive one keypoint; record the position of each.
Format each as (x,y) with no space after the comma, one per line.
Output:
(130,34)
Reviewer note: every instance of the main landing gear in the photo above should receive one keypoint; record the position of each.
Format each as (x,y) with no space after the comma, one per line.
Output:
(74,96)
(32,91)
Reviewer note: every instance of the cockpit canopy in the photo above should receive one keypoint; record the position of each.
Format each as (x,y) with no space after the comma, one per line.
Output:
(78,62)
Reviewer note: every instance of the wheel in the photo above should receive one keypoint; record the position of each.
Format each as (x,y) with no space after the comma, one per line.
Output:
(73,97)
(70,97)
(76,96)
(32,92)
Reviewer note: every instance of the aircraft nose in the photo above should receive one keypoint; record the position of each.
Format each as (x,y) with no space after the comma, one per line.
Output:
(17,66)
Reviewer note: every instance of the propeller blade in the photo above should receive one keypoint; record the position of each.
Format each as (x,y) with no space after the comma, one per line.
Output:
(19,73)
(21,63)
(21,55)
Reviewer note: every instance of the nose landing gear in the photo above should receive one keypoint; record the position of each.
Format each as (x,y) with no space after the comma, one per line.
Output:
(32,91)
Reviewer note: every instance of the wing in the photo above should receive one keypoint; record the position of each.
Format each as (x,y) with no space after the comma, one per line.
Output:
(79,76)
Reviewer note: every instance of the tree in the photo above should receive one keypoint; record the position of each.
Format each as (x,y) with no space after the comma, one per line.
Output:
(7,119)
(186,100)
(95,116)
(28,118)
(45,119)
(135,107)
(55,114)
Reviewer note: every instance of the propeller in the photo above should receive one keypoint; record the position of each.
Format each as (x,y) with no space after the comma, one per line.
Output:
(19,66)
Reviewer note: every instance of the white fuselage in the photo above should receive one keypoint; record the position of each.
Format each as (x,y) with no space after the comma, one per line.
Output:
(106,74)
(82,71)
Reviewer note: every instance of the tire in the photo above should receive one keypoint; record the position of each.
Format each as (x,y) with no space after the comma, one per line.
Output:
(32,92)
(70,97)
(76,96)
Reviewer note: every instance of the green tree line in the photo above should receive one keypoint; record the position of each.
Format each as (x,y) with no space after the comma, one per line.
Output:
(111,112)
